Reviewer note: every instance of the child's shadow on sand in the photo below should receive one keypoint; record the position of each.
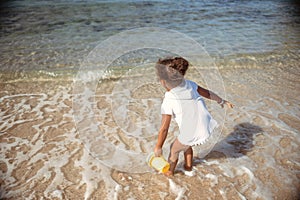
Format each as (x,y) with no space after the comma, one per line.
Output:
(237,143)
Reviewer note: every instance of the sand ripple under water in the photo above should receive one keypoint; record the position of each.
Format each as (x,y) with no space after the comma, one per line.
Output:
(257,157)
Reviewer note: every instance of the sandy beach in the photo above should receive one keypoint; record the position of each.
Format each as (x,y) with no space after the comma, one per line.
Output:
(256,156)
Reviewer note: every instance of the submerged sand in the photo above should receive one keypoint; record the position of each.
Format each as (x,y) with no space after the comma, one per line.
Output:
(257,156)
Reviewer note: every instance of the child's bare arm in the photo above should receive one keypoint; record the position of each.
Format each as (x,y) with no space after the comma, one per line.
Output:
(162,134)
(210,95)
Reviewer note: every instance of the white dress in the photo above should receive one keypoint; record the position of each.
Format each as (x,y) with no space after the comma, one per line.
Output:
(188,107)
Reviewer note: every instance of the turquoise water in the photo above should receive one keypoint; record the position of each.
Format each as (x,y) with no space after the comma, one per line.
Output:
(57,35)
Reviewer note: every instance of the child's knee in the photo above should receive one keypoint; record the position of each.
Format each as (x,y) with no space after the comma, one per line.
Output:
(189,151)
(173,157)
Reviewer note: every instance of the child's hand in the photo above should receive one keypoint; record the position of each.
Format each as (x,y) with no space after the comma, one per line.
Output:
(224,102)
(157,152)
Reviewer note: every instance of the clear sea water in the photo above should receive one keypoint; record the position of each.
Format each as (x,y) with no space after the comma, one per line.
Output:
(57,35)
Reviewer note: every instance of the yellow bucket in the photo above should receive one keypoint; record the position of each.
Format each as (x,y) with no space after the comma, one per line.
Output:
(158,163)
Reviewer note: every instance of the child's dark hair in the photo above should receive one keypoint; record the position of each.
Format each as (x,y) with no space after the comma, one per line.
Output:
(172,70)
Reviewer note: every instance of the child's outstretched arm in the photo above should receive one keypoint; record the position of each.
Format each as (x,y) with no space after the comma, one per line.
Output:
(162,134)
(210,95)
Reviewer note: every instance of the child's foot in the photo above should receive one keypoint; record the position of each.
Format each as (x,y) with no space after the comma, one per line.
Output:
(186,168)
(169,173)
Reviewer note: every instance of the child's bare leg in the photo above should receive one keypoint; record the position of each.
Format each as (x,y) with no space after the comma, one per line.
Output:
(172,168)
(188,158)
(173,156)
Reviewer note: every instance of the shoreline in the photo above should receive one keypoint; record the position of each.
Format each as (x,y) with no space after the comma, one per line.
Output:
(258,148)
(231,62)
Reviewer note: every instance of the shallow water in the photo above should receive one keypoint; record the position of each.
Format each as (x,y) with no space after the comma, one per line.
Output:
(46,35)
(51,148)
(256,157)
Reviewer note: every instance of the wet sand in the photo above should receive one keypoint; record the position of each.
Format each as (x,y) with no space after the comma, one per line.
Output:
(257,156)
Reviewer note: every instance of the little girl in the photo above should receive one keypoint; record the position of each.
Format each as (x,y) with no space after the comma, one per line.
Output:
(184,101)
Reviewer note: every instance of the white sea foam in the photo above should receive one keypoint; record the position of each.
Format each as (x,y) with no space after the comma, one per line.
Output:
(57,194)
(177,190)
(258,147)
(214,179)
